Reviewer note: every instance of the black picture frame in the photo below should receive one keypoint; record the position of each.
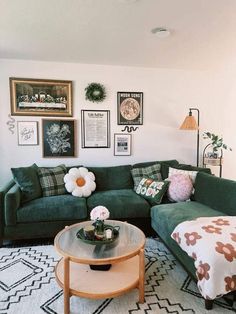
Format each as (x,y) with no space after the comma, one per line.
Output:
(129,108)
(95,128)
(58,138)
(122,144)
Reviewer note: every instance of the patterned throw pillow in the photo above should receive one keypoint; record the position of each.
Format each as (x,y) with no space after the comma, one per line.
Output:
(52,180)
(180,188)
(152,172)
(152,190)
(191,173)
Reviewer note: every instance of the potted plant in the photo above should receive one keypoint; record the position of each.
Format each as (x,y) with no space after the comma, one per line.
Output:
(216,143)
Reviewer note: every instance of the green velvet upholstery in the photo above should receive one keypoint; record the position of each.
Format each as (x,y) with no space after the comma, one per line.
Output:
(3,192)
(112,178)
(215,192)
(28,181)
(165,217)
(120,203)
(12,203)
(53,208)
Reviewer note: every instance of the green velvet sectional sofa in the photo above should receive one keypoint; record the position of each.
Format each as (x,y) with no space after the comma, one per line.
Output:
(213,196)
(43,217)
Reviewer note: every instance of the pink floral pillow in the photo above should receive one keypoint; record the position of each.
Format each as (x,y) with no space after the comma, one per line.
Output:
(180,188)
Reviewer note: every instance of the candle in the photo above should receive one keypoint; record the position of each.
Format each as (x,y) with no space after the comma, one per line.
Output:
(108,233)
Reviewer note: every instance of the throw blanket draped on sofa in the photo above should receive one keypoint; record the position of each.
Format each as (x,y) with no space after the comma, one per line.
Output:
(211,242)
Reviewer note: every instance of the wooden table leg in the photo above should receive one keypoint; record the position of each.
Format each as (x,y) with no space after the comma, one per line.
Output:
(141,276)
(66,285)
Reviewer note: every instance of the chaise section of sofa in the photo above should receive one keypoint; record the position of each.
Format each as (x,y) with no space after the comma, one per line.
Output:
(213,197)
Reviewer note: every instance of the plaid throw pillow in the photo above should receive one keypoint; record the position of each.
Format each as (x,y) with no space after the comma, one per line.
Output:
(51,180)
(153,172)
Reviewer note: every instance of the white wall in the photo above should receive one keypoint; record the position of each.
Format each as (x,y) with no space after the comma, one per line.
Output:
(167,96)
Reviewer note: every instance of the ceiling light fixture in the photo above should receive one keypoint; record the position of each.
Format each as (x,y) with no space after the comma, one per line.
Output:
(161,32)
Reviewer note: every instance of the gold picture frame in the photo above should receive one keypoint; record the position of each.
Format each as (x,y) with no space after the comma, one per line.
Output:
(40,97)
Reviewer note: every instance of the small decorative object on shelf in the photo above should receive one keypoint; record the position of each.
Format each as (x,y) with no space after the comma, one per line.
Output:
(99,214)
(95,92)
(213,152)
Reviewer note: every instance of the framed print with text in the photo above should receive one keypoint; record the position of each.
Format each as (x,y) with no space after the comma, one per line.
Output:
(58,138)
(38,97)
(130,108)
(122,144)
(27,133)
(95,128)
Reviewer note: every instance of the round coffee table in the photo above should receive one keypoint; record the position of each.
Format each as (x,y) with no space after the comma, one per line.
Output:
(126,255)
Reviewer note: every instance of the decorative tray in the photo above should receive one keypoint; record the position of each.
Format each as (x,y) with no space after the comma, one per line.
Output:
(115,235)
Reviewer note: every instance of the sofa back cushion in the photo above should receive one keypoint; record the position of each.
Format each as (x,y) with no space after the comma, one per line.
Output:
(112,178)
(215,192)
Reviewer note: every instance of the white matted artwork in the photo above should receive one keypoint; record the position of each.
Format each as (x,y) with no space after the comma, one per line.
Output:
(122,144)
(27,132)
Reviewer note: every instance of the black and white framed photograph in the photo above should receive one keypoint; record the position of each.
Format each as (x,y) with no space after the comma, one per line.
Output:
(122,144)
(95,128)
(27,133)
(130,108)
(58,138)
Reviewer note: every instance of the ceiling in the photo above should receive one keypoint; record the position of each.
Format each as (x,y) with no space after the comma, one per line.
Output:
(118,32)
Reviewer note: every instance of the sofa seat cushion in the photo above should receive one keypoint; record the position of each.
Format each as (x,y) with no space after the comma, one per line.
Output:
(53,208)
(120,203)
(164,219)
(167,216)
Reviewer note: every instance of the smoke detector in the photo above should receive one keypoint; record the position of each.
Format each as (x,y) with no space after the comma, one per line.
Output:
(161,32)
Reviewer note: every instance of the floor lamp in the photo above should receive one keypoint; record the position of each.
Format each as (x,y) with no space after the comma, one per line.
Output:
(191,124)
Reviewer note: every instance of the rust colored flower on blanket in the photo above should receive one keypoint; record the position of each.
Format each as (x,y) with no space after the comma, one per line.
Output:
(227,249)
(202,271)
(233,236)
(230,283)
(221,222)
(212,229)
(191,238)
(176,237)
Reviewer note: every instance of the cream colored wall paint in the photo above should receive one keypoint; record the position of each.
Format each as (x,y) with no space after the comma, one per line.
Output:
(167,96)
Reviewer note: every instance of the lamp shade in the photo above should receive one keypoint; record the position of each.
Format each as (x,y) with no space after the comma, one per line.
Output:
(189,123)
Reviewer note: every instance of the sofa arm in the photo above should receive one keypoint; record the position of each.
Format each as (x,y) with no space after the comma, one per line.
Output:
(12,203)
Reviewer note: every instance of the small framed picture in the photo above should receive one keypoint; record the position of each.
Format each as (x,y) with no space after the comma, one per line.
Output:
(130,108)
(122,144)
(27,133)
(58,138)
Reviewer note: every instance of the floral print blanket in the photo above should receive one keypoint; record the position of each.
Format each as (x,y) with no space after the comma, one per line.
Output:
(211,242)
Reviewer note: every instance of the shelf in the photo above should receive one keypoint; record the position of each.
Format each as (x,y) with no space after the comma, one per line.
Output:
(212,161)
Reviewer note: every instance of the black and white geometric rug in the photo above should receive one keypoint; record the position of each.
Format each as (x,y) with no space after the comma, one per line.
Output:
(28,285)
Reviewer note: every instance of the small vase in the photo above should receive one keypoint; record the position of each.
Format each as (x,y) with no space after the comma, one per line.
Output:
(99,229)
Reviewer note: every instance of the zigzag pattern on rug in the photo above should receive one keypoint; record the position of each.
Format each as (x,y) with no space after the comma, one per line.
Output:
(28,285)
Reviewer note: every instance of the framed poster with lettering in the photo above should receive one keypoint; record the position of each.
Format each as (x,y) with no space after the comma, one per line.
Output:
(27,133)
(130,108)
(95,128)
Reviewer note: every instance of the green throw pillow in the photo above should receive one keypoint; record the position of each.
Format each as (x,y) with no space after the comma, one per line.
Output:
(28,181)
(52,180)
(152,190)
(153,172)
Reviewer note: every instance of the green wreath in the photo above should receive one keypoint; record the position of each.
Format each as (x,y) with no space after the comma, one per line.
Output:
(95,92)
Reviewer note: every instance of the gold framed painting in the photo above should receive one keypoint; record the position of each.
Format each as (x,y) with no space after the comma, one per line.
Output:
(40,97)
